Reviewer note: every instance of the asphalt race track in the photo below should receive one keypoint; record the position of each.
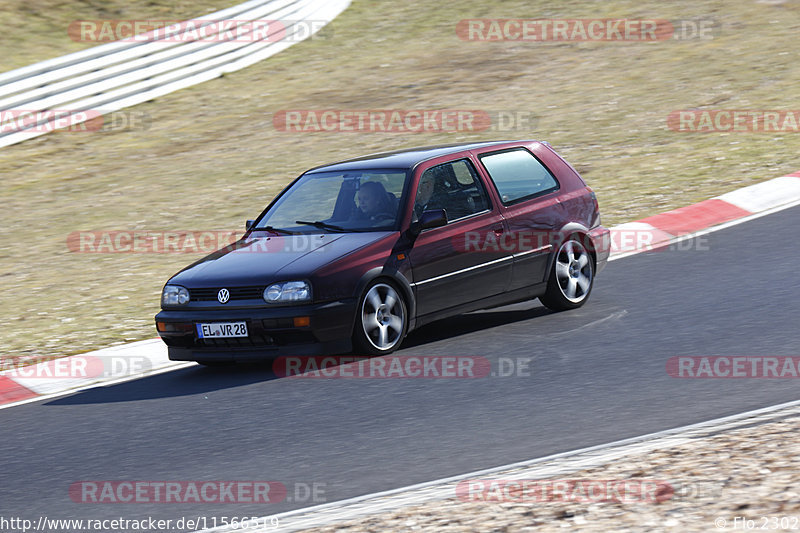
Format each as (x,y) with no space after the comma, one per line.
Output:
(596,375)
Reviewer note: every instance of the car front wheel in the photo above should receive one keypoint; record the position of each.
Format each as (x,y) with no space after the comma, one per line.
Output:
(382,320)
(571,278)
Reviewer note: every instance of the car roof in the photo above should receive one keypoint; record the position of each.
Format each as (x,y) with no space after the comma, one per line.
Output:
(404,158)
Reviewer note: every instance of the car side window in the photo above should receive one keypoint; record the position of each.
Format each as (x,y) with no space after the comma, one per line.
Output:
(452,186)
(518,175)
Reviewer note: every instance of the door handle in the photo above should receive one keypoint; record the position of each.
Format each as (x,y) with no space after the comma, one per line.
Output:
(498,231)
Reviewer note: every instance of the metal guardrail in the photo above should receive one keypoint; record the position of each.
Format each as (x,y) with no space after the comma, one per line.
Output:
(120,74)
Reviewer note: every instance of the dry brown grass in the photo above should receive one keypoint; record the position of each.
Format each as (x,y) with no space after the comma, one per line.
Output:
(35,30)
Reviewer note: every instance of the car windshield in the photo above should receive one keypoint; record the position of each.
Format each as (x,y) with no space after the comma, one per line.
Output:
(363,200)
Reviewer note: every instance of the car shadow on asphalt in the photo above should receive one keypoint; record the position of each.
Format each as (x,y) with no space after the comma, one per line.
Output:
(474,322)
(195,379)
(199,379)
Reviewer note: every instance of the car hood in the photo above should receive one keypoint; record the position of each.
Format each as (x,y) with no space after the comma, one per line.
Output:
(263,260)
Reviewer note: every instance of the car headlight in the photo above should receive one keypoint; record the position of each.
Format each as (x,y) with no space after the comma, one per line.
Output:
(174,295)
(288,291)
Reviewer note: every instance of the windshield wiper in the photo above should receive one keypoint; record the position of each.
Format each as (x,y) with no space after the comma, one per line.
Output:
(323,225)
(274,230)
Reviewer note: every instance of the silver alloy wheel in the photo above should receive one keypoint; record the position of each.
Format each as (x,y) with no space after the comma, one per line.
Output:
(574,271)
(383,316)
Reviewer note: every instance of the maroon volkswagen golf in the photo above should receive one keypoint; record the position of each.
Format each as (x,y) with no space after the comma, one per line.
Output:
(353,255)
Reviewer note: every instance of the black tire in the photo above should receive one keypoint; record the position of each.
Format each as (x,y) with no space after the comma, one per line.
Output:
(571,277)
(381,320)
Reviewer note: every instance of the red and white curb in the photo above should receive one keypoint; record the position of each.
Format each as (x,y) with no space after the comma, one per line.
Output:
(56,376)
(664,228)
(139,359)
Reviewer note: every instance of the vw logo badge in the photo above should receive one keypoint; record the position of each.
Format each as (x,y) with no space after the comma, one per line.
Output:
(223,296)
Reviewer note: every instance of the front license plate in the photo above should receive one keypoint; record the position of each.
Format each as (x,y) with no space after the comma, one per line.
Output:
(221,330)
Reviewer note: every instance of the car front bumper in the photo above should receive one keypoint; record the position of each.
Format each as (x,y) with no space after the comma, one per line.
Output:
(271,332)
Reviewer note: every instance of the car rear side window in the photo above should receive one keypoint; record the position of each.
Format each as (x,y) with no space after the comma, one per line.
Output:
(518,175)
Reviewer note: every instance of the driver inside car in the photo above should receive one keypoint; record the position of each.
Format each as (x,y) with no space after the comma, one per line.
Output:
(375,204)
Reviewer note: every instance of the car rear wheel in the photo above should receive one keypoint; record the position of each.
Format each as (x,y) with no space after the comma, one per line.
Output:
(382,320)
(571,278)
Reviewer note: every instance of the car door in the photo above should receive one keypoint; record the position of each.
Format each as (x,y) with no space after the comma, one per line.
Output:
(529,194)
(460,262)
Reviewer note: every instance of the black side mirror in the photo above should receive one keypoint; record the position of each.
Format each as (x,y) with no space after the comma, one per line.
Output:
(434,218)
(248,225)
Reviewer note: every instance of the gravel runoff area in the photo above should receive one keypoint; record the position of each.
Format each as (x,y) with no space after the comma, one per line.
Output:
(739,480)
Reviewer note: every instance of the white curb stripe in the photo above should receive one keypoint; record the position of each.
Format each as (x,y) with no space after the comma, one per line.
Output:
(763,196)
(118,362)
(627,238)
